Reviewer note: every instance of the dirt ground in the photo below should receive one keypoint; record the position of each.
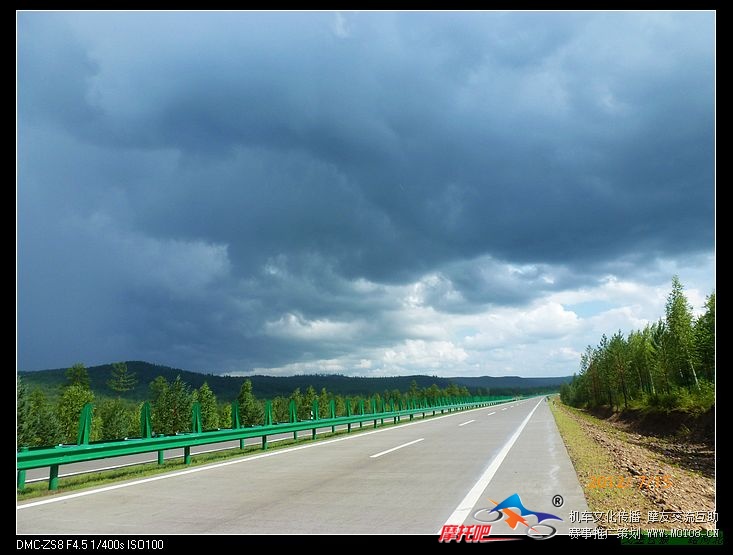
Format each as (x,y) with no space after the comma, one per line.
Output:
(684,452)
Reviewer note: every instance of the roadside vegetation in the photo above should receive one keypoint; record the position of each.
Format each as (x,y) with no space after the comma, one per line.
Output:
(44,422)
(668,365)
(621,471)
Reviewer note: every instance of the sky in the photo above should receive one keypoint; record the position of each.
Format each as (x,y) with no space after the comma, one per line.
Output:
(362,193)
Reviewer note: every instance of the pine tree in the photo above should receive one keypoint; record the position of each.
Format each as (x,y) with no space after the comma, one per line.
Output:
(23,435)
(704,333)
(69,408)
(121,380)
(209,410)
(177,405)
(250,411)
(324,404)
(45,429)
(679,324)
(158,387)
(119,419)
(78,375)
(304,411)
(225,416)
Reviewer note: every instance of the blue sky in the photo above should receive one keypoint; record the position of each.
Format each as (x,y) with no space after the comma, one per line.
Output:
(373,193)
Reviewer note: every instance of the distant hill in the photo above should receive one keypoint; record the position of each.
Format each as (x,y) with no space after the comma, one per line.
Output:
(226,388)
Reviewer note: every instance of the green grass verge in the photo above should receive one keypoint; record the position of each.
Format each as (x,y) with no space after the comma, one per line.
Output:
(591,459)
(106,477)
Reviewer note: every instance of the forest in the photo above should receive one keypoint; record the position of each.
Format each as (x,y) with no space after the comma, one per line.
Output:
(668,365)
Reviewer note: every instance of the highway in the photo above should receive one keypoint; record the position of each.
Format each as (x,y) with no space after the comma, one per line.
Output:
(408,479)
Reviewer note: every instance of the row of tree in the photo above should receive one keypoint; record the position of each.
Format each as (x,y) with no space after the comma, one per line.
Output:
(43,423)
(669,363)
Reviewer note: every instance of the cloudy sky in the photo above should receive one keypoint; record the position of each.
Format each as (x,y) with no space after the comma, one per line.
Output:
(362,193)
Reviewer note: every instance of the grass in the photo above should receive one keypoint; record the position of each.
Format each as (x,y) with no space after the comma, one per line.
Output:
(106,477)
(590,459)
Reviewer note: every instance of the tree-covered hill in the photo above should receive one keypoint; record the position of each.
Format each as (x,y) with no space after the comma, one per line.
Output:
(226,388)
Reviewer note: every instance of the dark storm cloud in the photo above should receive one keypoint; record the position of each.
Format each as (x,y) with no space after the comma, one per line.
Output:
(188,179)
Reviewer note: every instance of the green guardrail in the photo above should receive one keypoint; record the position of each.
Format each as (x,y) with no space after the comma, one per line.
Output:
(84,450)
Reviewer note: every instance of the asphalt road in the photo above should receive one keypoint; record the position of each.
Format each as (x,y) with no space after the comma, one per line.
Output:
(412,479)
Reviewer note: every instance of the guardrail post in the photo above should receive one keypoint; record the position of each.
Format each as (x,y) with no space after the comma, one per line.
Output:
(314,415)
(268,422)
(361,410)
(146,427)
(21,473)
(236,423)
(384,409)
(187,454)
(268,413)
(374,410)
(196,427)
(332,410)
(161,458)
(348,413)
(293,416)
(85,425)
(53,477)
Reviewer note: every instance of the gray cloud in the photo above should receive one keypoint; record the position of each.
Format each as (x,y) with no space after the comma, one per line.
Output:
(214,190)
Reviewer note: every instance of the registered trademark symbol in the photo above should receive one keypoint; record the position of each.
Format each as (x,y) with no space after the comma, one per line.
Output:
(557,501)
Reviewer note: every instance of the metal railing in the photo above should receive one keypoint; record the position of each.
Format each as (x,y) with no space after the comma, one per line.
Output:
(84,450)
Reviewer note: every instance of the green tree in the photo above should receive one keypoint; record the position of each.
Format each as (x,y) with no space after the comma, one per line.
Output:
(705,339)
(121,380)
(78,375)
(679,324)
(23,432)
(396,395)
(432,393)
(119,419)
(250,411)
(340,405)
(297,396)
(171,406)
(158,387)
(452,390)
(225,416)
(45,429)
(619,362)
(414,390)
(280,409)
(209,411)
(306,407)
(324,404)
(69,407)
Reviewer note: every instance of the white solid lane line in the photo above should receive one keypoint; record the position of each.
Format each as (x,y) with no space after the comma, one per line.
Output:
(472,497)
(395,448)
(467,422)
(491,413)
